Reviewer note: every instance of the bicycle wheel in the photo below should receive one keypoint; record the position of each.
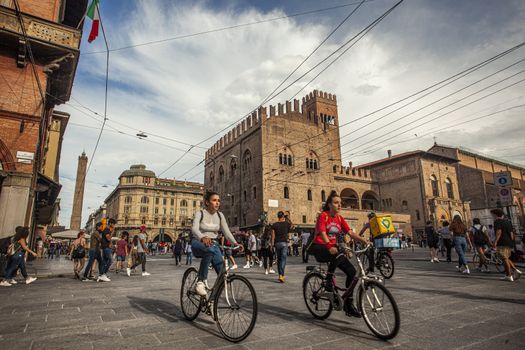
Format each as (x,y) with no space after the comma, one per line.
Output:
(386,265)
(190,302)
(235,308)
(498,262)
(319,307)
(379,310)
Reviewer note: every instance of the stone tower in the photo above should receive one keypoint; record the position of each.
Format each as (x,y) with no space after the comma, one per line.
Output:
(78,198)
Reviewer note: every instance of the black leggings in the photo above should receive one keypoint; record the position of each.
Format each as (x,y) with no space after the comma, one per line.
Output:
(267,254)
(322,255)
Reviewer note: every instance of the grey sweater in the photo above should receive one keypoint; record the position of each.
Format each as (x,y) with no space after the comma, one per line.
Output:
(210,225)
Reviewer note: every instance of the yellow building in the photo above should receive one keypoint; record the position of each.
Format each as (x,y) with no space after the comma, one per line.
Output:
(164,205)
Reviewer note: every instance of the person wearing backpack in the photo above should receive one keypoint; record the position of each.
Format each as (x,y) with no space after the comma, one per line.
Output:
(16,252)
(433,240)
(481,240)
(94,254)
(461,239)
(267,250)
(78,253)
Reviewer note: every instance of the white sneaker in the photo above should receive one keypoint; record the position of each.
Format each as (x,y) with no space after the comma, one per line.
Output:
(200,288)
(266,272)
(517,274)
(507,278)
(272,271)
(436,260)
(466,271)
(128,271)
(103,278)
(146,273)
(234,267)
(30,280)
(247,266)
(458,268)
(432,260)
(13,281)
(260,263)
(5,283)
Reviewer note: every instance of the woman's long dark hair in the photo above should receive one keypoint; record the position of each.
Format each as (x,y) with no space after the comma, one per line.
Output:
(329,200)
(207,196)
(457,225)
(21,232)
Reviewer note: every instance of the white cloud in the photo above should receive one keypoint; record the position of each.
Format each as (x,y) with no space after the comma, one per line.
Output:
(190,88)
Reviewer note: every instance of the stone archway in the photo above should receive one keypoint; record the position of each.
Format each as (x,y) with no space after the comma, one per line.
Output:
(349,199)
(168,237)
(370,201)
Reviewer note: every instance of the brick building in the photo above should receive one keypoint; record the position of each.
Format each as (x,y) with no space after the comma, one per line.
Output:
(31,132)
(420,183)
(290,159)
(476,183)
(163,205)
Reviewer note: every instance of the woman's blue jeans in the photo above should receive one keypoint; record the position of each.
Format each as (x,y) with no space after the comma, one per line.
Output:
(15,262)
(461,247)
(211,254)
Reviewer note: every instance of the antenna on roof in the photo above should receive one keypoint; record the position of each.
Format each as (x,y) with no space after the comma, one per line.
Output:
(435,141)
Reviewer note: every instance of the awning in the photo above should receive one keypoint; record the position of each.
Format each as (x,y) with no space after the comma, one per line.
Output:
(68,234)
(46,208)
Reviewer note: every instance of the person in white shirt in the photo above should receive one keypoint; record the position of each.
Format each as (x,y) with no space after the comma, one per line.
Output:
(305,236)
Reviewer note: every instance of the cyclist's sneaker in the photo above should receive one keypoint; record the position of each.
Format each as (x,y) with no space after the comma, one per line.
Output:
(200,288)
(507,278)
(234,267)
(517,274)
(351,310)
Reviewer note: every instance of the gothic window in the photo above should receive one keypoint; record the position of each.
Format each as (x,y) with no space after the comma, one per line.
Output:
(286,192)
(280,158)
(309,195)
(323,195)
(221,174)
(212,179)
(247,160)
(233,166)
(312,162)
(450,190)
(171,222)
(434,184)
(290,160)
(286,157)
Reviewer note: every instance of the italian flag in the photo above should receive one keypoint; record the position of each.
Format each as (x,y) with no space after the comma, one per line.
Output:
(92,13)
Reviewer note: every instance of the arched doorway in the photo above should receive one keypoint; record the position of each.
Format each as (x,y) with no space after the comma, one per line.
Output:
(167,237)
(370,201)
(349,199)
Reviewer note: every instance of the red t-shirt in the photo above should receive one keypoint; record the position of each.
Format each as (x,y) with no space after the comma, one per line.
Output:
(333,226)
(121,247)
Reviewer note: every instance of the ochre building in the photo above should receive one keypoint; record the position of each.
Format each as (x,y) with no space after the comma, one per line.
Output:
(165,206)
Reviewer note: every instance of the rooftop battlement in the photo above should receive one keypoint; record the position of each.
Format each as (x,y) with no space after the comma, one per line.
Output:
(352,172)
(254,120)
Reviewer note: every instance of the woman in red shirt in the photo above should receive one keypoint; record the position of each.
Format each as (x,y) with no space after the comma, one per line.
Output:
(331,228)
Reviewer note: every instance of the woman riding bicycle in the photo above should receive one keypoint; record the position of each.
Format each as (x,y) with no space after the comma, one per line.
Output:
(330,230)
(206,225)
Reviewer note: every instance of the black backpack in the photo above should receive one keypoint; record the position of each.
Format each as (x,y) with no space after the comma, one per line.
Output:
(479,236)
(79,252)
(5,243)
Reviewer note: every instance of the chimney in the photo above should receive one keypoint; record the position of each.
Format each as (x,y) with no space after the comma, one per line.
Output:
(350,165)
(389,153)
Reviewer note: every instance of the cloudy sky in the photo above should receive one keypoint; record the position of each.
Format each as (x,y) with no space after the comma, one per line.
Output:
(181,91)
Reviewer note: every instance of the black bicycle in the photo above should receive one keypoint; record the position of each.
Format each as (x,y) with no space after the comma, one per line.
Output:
(374,300)
(231,302)
(383,261)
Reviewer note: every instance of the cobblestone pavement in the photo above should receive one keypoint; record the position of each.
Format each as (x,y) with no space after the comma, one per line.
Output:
(440,309)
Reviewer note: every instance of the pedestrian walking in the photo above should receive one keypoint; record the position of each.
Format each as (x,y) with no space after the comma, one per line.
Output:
(78,253)
(139,241)
(447,239)
(481,240)
(16,257)
(305,236)
(51,250)
(504,243)
(432,240)
(39,248)
(267,250)
(251,251)
(107,249)
(94,255)
(295,244)
(189,254)
(177,251)
(280,232)
(122,251)
(461,239)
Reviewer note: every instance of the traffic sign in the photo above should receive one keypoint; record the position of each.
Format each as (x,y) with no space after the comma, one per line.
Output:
(503,178)
(505,195)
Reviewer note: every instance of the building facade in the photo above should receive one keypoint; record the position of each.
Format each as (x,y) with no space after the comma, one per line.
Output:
(165,206)
(45,33)
(476,183)
(290,159)
(422,184)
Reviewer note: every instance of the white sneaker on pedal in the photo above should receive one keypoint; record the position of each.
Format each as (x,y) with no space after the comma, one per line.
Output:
(234,267)
(247,266)
(200,288)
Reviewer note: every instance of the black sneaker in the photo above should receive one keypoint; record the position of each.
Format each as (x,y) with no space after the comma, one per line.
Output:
(85,279)
(351,310)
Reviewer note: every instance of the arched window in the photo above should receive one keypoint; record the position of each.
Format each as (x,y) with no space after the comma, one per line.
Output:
(290,160)
(404,205)
(286,157)
(434,184)
(233,167)
(246,160)
(128,200)
(183,203)
(280,158)
(286,192)
(323,196)
(221,174)
(450,190)
(309,195)
(144,200)
(212,178)
(312,161)
(244,195)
